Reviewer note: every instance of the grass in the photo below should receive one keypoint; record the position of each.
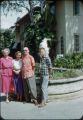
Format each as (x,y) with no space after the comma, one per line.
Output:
(57,75)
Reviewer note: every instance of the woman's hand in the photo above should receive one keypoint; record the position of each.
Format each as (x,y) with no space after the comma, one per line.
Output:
(16,71)
(0,72)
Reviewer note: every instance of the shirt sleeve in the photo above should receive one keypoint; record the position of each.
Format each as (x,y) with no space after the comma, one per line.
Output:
(13,61)
(0,66)
(32,61)
(20,63)
(48,62)
(0,63)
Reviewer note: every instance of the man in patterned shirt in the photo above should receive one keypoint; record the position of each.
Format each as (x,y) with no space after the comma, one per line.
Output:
(28,69)
(45,73)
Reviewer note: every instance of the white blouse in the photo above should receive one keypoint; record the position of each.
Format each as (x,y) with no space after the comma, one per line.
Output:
(17,64)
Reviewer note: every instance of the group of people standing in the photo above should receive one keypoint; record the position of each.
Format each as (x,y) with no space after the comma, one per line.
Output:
(21,71)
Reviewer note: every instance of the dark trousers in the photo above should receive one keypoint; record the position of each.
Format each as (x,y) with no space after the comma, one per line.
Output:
(30,90)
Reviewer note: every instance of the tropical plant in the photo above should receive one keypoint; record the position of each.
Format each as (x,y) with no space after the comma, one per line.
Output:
(40,28)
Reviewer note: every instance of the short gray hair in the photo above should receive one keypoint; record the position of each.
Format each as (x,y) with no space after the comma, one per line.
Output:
(6,49)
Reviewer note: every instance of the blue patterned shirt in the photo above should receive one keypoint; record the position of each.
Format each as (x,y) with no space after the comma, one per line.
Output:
(45,64)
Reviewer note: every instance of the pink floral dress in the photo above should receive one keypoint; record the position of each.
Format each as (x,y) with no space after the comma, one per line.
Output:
(6,68)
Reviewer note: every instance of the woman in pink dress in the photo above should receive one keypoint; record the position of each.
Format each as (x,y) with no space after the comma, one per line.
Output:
(0,80)
(6,68)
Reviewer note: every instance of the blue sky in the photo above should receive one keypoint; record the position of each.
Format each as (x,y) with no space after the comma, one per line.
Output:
(10,19)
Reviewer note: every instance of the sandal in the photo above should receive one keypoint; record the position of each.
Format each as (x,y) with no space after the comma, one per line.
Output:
(34,101)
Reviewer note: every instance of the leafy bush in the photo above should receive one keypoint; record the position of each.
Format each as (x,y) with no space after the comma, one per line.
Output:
(6,38)
(70,61)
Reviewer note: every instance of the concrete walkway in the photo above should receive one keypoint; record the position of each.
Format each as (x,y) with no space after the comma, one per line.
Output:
(62,109)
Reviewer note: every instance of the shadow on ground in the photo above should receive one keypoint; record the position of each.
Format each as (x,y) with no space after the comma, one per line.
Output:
(2,98)
(1,118)
(81,118)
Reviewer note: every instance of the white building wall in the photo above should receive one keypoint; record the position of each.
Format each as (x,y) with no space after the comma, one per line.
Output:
(68,24)
(74,25)
(60,18)
(81,27)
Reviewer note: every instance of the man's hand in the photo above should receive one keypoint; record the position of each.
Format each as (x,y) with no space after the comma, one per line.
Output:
(50,77)
(50,73)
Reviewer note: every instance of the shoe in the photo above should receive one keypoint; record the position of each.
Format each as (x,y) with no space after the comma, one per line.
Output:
(42,104)
(34,101)
(24,102)
(7,101)
(20,99)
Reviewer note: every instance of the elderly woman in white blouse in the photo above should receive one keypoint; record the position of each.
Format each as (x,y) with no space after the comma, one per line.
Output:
(17,65)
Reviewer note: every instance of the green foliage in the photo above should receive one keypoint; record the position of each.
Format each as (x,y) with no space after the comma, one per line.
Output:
(37,70)
(57,75)
(70,61)
(6,38)
(38,29)
(41,26)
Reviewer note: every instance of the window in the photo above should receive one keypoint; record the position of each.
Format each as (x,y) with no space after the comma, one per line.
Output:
(76,7)
(76,43)
(62,45)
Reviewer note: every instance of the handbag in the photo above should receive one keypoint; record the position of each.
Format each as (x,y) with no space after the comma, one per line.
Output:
(12,88)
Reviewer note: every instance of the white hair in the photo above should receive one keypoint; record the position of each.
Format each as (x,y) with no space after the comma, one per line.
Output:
(6,50)
(44,45)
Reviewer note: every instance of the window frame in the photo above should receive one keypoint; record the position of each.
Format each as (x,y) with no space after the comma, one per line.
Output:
(76,42)
(76,7)
(62,44)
